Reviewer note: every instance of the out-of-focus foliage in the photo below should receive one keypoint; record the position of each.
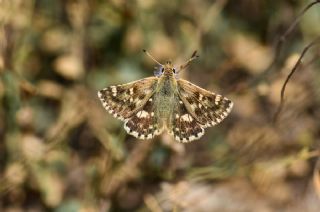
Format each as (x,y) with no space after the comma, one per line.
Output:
(60,150)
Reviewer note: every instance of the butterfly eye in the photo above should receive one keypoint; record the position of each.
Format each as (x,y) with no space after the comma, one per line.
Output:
(158,71)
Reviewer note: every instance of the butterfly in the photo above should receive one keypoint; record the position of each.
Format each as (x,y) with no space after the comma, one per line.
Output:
(163,102)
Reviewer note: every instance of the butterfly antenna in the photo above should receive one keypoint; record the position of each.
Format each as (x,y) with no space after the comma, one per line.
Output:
(147,53)
(186,64)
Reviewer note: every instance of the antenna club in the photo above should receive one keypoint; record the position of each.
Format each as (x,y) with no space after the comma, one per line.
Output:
(194,54)
(147,53)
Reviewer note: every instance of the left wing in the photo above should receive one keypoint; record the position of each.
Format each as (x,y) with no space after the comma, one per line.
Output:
(144,124)
(122,101)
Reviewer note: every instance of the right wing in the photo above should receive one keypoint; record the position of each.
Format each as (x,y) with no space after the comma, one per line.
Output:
(183,126)
(208,108)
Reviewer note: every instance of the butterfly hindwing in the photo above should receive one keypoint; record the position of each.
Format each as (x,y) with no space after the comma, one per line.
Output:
(208,108)
(122,101)
(144,124)
(183,126)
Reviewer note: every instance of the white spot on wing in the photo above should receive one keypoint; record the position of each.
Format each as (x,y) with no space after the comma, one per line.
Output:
(187,118)
(191,138)
(113,88)
(126,127)
(99,94)
(230,107)
(200,134)
(135,134)
(217,99)
(142,114)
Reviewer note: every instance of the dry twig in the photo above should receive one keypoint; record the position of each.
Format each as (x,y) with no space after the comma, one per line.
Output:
(280,42)
(296,66)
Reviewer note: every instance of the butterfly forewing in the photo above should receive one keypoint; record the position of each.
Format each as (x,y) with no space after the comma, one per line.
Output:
(122,101)
(206,107)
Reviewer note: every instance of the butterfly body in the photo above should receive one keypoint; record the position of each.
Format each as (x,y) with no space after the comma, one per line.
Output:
(165,93)
(163,102)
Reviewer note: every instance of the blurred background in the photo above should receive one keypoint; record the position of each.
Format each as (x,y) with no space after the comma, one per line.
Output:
(61,151)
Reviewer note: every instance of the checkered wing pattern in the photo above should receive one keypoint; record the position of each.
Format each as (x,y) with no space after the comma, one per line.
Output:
(144,124)
(184,127)
(122,101)
(206,107)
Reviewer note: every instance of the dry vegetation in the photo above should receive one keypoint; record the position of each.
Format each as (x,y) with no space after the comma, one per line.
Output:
(60,151)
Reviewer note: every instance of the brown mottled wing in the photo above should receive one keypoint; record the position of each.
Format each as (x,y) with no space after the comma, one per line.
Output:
(122,101)
(183,126)
(144,123)
(206,107)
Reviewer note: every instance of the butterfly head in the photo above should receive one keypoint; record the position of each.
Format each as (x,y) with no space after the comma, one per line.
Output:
(167,70)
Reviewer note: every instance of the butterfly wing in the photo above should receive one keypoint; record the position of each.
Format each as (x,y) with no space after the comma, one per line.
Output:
(122,101)
(206,107)
(183,126)
(144,123)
